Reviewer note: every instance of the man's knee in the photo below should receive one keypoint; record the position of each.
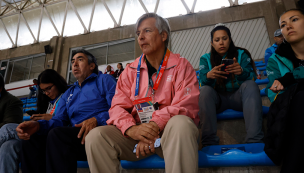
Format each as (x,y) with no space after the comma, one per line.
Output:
(98,132)
(182,125)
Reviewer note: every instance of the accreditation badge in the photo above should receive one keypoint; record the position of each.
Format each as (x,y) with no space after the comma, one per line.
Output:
(144,109)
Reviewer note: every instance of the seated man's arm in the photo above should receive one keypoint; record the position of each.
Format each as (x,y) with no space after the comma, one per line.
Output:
(107,85)
(13,112)
(121,108)
(268,54)
(60,119)
(185,100)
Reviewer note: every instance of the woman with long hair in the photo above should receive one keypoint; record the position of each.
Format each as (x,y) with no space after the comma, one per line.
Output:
(284,140)
(52,86)
(119,70)
(229,86)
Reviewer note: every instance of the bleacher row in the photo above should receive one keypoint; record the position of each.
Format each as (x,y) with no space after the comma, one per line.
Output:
(238,155)
(29,104)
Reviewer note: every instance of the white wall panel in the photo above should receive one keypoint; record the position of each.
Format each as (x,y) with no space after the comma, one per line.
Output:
(193,43)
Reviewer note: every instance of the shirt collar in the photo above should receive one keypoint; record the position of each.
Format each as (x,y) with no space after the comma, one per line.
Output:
(93,75)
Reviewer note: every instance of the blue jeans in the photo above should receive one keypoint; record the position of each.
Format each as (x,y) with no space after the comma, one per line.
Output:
(10,146)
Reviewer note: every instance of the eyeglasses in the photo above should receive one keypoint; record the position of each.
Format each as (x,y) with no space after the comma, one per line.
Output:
(301,63)
(46,90)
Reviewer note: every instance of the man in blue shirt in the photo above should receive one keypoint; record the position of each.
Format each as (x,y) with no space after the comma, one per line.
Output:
(56,145)
(278,38)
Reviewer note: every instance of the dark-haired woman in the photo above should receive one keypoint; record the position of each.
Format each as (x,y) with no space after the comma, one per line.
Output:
(284,69)
(233,88)
(119,70)
(52,86)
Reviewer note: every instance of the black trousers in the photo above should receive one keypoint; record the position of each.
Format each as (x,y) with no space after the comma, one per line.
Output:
(56,152)
(293,159)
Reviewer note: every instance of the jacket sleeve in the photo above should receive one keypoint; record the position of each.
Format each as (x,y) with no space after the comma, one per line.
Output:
(273,73)
(107,85)
(248,72)
(185,99)
(13,112)
(204,69)
(122,106)
(60,119)
(268,53)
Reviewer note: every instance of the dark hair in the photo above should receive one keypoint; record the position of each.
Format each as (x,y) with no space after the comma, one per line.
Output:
(284,49)
(1,82)
(216,59)
(121,65)
(91,58)
(49,76)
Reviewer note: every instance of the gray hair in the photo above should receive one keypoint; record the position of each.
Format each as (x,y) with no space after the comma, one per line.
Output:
(161,24)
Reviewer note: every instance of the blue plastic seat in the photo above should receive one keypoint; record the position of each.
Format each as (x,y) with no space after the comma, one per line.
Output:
(82,164)
(26,118)
(232,114)
(261,68)
(260,65)
(262,81)
(258,62)
(212,156)
(263,92)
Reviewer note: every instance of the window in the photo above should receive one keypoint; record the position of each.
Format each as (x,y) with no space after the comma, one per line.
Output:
(22,68)
(109,53)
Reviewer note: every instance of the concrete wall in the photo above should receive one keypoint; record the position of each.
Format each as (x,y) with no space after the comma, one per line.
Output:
(58,60)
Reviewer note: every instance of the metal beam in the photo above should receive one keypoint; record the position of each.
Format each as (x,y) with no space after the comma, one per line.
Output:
(23,6)
(0,6)
(47,13)
(186,6)
(156,6)
(7,32)
(122,11)
(34,8)
(40,21)
(28,27)
(193,6)
(92,14)
(17,5)
(17,32)
(65,16)
(143,6)
(8,4)
(109,11)
(76,12)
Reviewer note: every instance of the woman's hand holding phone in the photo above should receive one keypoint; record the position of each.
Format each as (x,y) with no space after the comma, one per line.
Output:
(235,68)
(217,73)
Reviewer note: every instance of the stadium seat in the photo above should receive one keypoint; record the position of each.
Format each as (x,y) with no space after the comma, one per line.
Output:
(258,62)
(232,114)
(263,92)
(261,68)
(262,81)
(214,156)
(260,65)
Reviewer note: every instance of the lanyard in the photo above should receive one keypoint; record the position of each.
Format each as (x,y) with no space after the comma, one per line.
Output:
(160,72)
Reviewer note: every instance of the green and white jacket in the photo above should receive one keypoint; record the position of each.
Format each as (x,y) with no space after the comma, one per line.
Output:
(277,67)
(243,59)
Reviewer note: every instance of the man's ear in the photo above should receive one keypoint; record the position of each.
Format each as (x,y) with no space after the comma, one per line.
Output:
(92,66)
(164,36)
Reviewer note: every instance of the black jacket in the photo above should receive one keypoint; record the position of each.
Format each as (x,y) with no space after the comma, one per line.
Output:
(11,109)
(277,122)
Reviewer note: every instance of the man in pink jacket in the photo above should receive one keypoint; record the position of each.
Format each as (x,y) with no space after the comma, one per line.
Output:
(156,97)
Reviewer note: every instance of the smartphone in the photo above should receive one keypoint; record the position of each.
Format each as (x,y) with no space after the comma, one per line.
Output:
(226,62)
(31,112)
(156,145)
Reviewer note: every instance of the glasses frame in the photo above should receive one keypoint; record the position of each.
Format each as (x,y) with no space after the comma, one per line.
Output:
(46,91)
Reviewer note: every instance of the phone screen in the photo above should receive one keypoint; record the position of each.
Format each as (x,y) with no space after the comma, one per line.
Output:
(226,62)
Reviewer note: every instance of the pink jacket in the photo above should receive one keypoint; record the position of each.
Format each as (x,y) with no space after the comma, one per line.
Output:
(177,94)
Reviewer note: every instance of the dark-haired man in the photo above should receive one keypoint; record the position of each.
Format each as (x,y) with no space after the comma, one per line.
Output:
(82,107)
(10,113)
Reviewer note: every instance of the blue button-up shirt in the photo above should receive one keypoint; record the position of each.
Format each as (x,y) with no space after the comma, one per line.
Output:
(79,103)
